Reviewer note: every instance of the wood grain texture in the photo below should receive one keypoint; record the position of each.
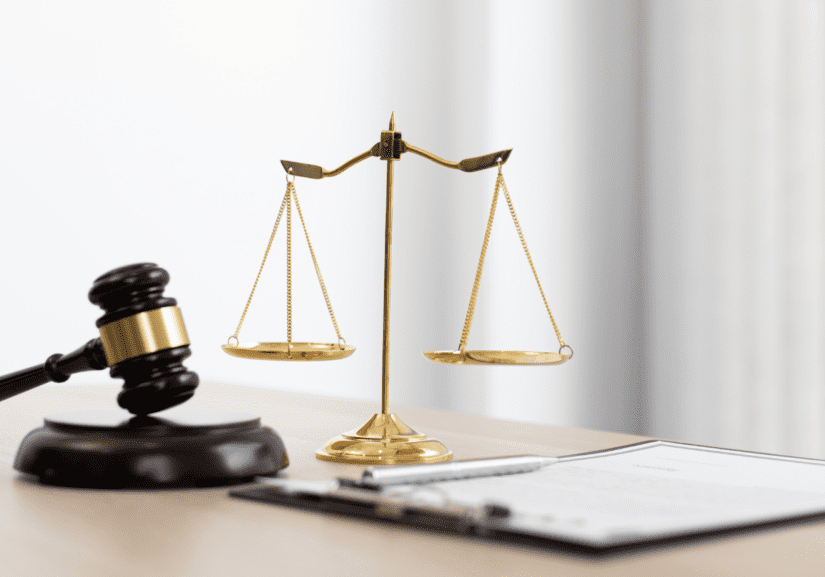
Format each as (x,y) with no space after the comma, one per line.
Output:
(203,532)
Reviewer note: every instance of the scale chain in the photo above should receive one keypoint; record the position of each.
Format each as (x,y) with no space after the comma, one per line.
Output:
(260,270)
(529,259)
(468,320)
(290,188)
(291,193)
(500,184)
(317,268)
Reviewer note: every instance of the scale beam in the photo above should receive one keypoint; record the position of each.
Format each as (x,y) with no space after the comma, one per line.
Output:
(466,165)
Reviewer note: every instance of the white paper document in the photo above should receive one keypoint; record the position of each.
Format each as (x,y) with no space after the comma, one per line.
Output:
(643,492)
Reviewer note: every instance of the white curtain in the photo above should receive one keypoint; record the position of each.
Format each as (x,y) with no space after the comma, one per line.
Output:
(735,219)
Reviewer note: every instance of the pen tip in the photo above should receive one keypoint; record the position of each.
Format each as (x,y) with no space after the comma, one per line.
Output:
(392,121)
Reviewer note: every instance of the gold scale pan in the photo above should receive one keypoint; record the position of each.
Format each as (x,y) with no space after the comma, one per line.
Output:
(289,351)
(390,148)
(462,356)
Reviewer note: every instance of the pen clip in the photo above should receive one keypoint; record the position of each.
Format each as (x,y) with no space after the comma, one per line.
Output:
(357,484)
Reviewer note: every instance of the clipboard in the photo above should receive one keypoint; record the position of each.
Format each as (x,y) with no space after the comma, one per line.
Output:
(649,492)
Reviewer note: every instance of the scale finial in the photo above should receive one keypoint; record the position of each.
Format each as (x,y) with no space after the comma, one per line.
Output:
(392,121)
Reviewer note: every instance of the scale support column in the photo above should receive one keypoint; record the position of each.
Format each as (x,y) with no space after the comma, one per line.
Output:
(388,154)
(384,439)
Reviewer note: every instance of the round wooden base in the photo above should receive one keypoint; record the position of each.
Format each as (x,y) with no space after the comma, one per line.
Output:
(180,447)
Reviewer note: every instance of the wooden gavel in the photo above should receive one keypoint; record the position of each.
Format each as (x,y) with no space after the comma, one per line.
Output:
(142,339)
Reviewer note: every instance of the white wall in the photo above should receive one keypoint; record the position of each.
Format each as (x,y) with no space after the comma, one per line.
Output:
(152,132)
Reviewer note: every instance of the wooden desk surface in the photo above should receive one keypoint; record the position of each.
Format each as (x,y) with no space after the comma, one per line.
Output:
(52,531)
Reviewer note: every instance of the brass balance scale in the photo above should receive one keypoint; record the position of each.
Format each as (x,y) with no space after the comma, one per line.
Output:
(384,439)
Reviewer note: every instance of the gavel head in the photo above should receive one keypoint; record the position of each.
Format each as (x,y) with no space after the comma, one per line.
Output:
(144,338)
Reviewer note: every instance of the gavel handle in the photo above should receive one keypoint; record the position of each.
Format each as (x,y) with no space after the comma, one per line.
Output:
(57,369)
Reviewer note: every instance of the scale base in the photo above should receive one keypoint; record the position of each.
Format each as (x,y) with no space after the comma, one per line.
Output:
(383,440)
(182,447)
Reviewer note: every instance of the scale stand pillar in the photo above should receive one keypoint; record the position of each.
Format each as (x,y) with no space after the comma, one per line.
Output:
(384,439)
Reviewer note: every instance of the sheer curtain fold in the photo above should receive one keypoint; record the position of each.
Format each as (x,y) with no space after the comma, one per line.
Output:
(736,94)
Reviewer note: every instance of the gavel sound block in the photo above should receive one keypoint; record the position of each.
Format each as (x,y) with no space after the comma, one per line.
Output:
(153,443)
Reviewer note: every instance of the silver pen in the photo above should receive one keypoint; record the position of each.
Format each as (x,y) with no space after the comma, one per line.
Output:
(374,477)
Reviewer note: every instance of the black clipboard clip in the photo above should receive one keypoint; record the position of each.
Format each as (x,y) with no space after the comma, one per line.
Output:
(418,506)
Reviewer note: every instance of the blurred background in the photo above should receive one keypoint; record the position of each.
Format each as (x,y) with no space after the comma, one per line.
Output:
(668,172)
